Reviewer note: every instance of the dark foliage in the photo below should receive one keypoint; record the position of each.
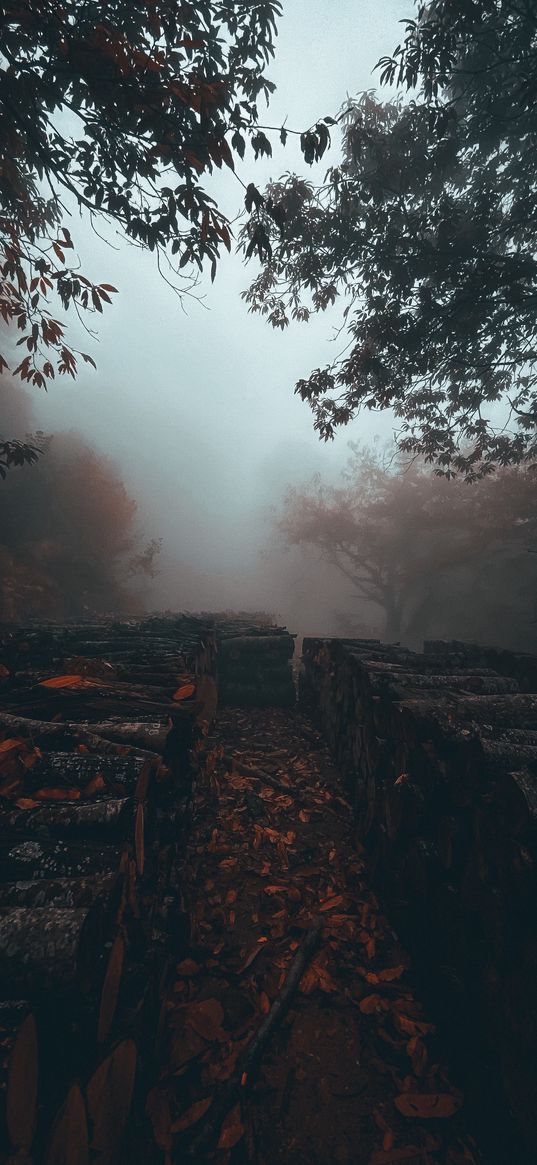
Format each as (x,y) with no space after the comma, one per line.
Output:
(428,228)
(122,106)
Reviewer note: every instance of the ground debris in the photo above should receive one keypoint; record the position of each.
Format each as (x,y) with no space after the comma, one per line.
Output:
(353,1073)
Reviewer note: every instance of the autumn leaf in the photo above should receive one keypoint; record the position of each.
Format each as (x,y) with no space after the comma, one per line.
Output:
(331,903)
(372,1004)
(26,803)
(387,976)
(412,1027)
(191,1115)
(428,1105)
(232,1129)
(96,784)
(10,744)
(63,682)
(187,968)
(206,1018)
(184,692)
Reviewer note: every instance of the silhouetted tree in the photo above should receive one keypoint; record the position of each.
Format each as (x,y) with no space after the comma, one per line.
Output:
(415,544)
(428,228)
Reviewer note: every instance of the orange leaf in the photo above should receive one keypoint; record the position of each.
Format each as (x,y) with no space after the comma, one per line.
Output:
(192,1114)
(187,968)
(330,903)
(184,692)
(10,744)
(63,682)
(94,786)
(26,803)
(232,1129)
(372,1004)
(206,1018)
(264,1003)
(412,1027)
(428,1105)
(387,976)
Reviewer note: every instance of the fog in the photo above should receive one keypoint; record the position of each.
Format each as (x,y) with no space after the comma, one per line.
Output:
(194,401)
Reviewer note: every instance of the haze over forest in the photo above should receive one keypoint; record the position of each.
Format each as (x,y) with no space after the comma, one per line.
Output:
(193,401)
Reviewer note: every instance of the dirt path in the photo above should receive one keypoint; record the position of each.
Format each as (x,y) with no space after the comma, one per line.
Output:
(351,1076)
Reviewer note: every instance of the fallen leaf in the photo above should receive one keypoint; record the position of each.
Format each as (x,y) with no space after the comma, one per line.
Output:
(206,1018)
(232,1129)
(372,1004)
(428,1105)
(96,784)
(412,1027)
(330,903)
(11,743)
(184,692)
(387,976)
(26,803)
(187,968)
(191,1115)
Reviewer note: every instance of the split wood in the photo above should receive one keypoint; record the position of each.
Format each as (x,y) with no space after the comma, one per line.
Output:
(249,1060)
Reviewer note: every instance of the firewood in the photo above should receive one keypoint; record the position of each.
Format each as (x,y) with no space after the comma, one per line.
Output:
(109,1097)
(68,1143)
(45,948)
(74,819)
(19,1068)
(65,892)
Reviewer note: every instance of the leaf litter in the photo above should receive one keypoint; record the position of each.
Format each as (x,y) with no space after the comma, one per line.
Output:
(353,1074)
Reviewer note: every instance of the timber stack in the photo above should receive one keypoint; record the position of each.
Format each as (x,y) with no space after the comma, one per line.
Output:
(100,726)
(439,751)
(254,663)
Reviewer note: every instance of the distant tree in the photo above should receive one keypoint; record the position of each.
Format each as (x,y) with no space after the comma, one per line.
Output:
(428,228)
(408,540)
(121,106)
(68,537)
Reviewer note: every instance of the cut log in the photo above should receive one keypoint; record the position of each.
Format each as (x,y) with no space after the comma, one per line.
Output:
(111,986)
(19,1067)
(109,1098)
(65,892)
(517,796)
(45,948)
(34,860)
(69,1140)
(78,770)
(73,818)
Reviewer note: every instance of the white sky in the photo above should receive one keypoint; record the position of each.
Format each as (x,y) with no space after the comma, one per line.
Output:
(198,409)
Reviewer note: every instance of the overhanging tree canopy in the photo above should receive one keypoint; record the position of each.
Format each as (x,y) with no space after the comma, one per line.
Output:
(124,106)
(428,228)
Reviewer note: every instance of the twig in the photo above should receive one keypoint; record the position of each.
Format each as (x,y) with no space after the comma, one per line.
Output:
(251,1056)
(258,775)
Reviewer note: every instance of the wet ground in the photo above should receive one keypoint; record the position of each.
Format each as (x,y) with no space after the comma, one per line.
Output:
(351,1071)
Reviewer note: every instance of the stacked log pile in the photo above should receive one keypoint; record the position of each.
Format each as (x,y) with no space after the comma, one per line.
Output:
(254,664)
(439,752)
(98,731)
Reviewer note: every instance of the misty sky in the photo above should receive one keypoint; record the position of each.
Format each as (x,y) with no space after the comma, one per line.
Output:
(198,408)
